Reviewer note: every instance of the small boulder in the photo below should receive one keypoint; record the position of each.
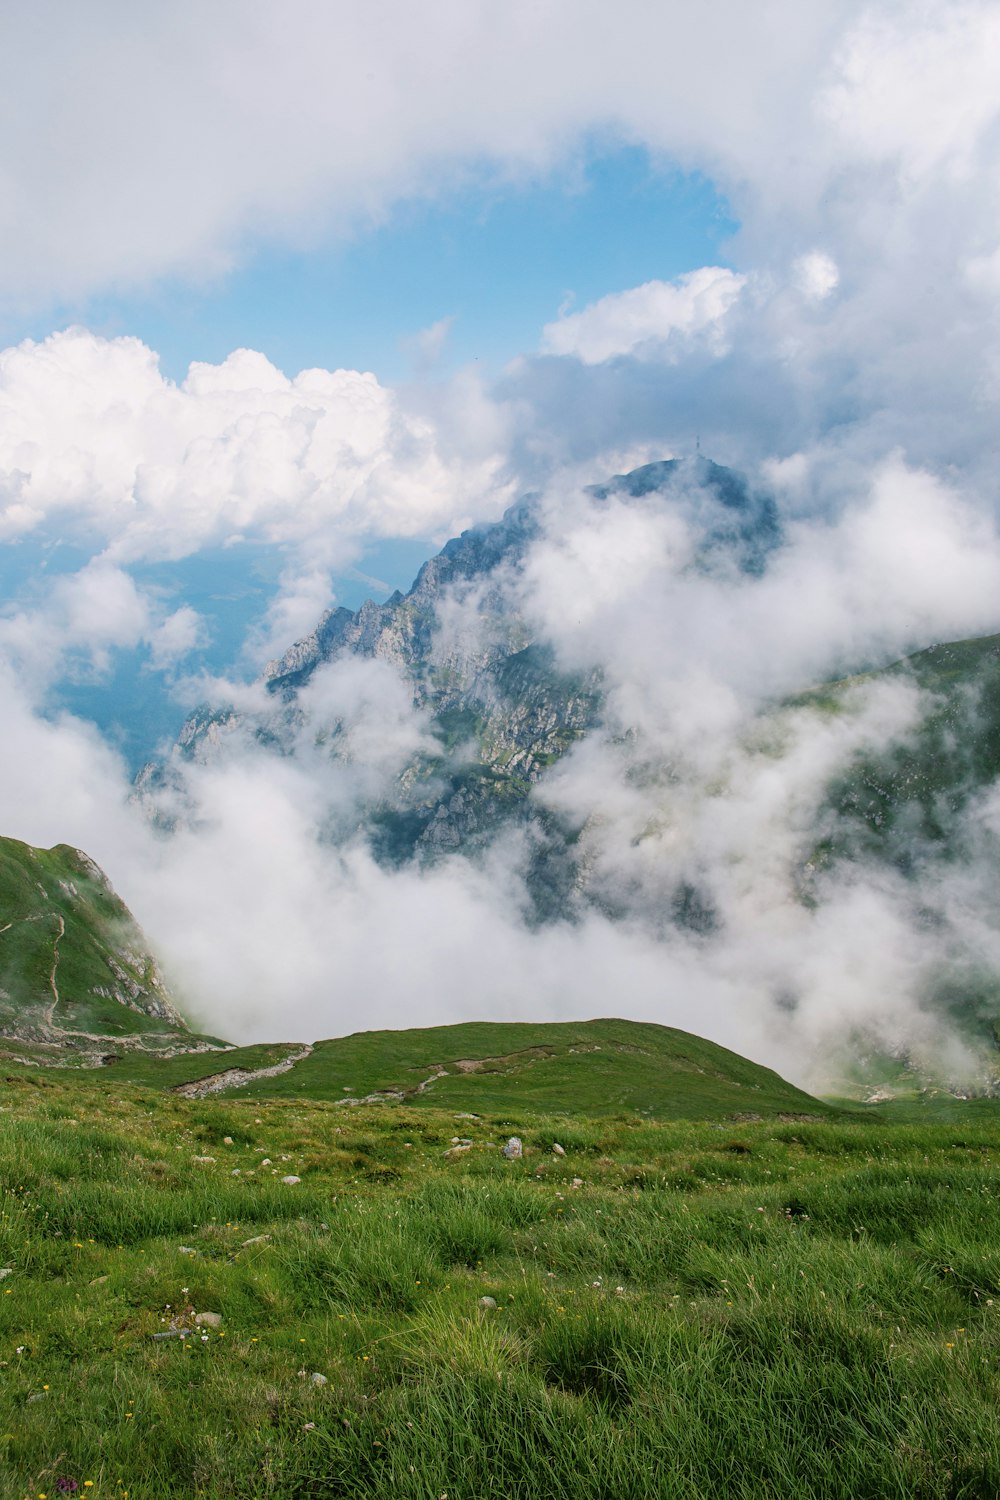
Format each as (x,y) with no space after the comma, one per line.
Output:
(291,1179)
(317,1379)
(513,1148)
(557,1150)
(227,1140)
(577,1182)
(487,1303)
(453,1151)
(208,1319)
(257,1239)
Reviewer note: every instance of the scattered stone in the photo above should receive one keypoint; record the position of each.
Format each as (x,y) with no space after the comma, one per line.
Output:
(487,1302)
(208,1319)
(317,1379)
(513,1148)
(557,1150)
(577,1182)
(466,1116)
(291,1179)
(99,1280)
(457,1150)
(38,1396)
(187,1249)
(235,1172)
(205,1160)
(227,1140)
(6,1271)
(266,1162)
(258,1239)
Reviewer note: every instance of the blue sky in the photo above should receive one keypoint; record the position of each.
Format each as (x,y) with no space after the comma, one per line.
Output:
(499,258)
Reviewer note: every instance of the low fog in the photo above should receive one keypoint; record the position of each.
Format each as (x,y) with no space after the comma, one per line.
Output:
(273,919)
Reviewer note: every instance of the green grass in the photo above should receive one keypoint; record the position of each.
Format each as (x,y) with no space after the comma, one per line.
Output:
(578,1067)
(779,1309)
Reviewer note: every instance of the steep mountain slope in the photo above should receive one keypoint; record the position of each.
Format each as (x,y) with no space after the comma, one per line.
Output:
(499,710)
(77,982)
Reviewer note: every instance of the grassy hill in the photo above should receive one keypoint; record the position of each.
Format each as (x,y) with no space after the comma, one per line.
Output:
(77,982)
(678,1309)
(585,1068)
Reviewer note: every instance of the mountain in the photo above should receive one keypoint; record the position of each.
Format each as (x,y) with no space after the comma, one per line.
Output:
(499,709)
(650,832)
(78,985)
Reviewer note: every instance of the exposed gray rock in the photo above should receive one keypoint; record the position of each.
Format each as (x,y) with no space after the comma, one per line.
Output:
(513,1148)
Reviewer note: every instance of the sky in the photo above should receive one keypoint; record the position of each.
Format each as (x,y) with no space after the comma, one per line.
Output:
(287,299)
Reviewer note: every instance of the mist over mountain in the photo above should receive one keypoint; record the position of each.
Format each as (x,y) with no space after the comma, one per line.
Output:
(594,731)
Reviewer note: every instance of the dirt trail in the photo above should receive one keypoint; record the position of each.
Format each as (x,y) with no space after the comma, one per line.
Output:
(50,1012)
(237,1078)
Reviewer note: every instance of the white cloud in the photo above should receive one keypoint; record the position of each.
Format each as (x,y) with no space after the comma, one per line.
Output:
(649,316)
(93,435)
(169,144)
(817,275)
(176,637)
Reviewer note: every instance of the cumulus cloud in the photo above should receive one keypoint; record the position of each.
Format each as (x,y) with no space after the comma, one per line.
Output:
(647,317)
(323,125)
(94,435)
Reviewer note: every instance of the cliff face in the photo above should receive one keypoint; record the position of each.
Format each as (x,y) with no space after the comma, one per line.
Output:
(498,709)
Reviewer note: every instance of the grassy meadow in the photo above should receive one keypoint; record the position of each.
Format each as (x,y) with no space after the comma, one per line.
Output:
(693,1309)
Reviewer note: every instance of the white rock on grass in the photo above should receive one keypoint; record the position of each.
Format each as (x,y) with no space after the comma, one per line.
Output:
(513,1148)
(316,1378)
(557,1150)
(291,1179)
(208,1319)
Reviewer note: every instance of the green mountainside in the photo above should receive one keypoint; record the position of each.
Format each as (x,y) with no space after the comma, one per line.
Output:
(77,982)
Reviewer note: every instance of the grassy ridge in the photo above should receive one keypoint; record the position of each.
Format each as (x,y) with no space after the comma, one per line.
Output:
(765,1309)
(73,963)
(578,1067)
